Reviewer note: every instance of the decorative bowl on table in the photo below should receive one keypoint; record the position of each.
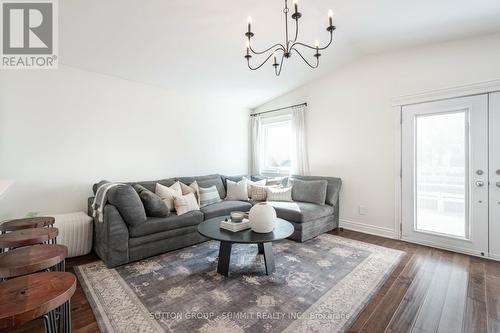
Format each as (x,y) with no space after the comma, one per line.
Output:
(237,216)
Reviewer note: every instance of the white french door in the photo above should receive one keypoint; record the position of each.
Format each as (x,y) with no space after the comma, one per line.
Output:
(494,132)
(445,174)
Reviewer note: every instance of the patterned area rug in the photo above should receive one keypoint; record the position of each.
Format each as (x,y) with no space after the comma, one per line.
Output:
(318,286)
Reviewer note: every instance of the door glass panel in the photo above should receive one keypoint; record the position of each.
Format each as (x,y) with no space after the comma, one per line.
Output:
(441,174)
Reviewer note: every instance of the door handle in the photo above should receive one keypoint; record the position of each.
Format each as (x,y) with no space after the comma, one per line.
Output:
(498,184)
(479,183)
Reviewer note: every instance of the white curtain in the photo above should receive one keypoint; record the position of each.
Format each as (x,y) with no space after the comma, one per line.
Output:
(300,159)
(255,132)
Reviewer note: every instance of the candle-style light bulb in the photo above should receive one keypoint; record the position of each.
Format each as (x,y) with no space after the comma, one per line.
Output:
(249,24)
(316,43)
(330,17)
(296,6)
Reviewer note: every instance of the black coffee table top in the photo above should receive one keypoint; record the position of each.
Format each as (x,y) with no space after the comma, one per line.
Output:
(211,229)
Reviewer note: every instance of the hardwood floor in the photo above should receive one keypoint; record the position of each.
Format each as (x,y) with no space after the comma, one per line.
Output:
(431,290)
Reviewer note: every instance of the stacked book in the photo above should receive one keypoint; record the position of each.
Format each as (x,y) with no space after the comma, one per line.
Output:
(235,226)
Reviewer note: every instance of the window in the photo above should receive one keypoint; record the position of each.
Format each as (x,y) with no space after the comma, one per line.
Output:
(276,144)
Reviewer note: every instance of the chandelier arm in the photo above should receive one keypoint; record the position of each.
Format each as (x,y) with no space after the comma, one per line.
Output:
(296,30)
(278,72)
(313,47)
(262,64)
(279,45)
(307,62)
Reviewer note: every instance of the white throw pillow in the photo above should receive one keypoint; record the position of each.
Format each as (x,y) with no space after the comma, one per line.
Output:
(186,203)
(193,188)
(167,194)
(279,194)
(237,191)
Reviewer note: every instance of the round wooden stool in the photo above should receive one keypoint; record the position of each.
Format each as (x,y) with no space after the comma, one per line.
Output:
(31,259)
(35,296)
(27,223)
(27,237)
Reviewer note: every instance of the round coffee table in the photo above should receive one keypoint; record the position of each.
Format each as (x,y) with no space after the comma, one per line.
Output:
(211,229)
(27,237)
(31,259)
(27,223)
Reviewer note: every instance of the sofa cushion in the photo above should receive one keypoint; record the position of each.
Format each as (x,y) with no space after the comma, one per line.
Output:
(300,211)
(313,191)
(153,204)
(128,203)
(332,190)
(158,224)
(225,207)
(278,194)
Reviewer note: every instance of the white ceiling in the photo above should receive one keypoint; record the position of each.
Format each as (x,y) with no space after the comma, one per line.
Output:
(198,46)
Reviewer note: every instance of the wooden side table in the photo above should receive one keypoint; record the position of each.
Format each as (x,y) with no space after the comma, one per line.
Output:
(37,296)
(32,259)
(26,223)
(27,237)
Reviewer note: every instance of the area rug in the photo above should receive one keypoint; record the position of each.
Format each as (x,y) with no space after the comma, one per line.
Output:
(318,286)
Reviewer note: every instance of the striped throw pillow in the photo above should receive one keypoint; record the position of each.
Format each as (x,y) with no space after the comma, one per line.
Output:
(209,196)
(279,194)
(186,203)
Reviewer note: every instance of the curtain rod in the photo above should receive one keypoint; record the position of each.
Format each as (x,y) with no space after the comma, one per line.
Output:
(279,109)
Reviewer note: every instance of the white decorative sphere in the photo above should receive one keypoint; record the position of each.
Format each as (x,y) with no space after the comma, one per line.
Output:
(262,216)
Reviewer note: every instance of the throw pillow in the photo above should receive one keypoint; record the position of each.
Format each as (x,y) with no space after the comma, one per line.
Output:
(237,190)
(153,204)
(207,181)
(258,193)
(167,194)
(186,203)
(313,191)
(209,196)
(193,188)
(128,203)
(261,182)
(279,194)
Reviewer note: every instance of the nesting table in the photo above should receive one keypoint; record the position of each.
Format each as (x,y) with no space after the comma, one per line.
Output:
(35,296)
(26,223)
(32,259)
(27,237)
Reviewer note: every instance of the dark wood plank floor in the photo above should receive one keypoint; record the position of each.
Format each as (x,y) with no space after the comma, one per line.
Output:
(430,291)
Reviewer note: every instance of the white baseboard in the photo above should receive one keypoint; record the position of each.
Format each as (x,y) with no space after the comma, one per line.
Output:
(368,228)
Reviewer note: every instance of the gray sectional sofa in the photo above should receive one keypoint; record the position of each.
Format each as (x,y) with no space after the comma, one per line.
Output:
(119,239)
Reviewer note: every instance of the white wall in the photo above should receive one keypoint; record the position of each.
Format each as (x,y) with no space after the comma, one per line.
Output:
(62,130)
(350,122)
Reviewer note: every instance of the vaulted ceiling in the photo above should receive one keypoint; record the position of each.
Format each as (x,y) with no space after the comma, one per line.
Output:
(198,46)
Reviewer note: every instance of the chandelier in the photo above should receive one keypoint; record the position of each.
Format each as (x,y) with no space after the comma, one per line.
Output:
(283,51)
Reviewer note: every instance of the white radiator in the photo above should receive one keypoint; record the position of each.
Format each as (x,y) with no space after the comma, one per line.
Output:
(75,231)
